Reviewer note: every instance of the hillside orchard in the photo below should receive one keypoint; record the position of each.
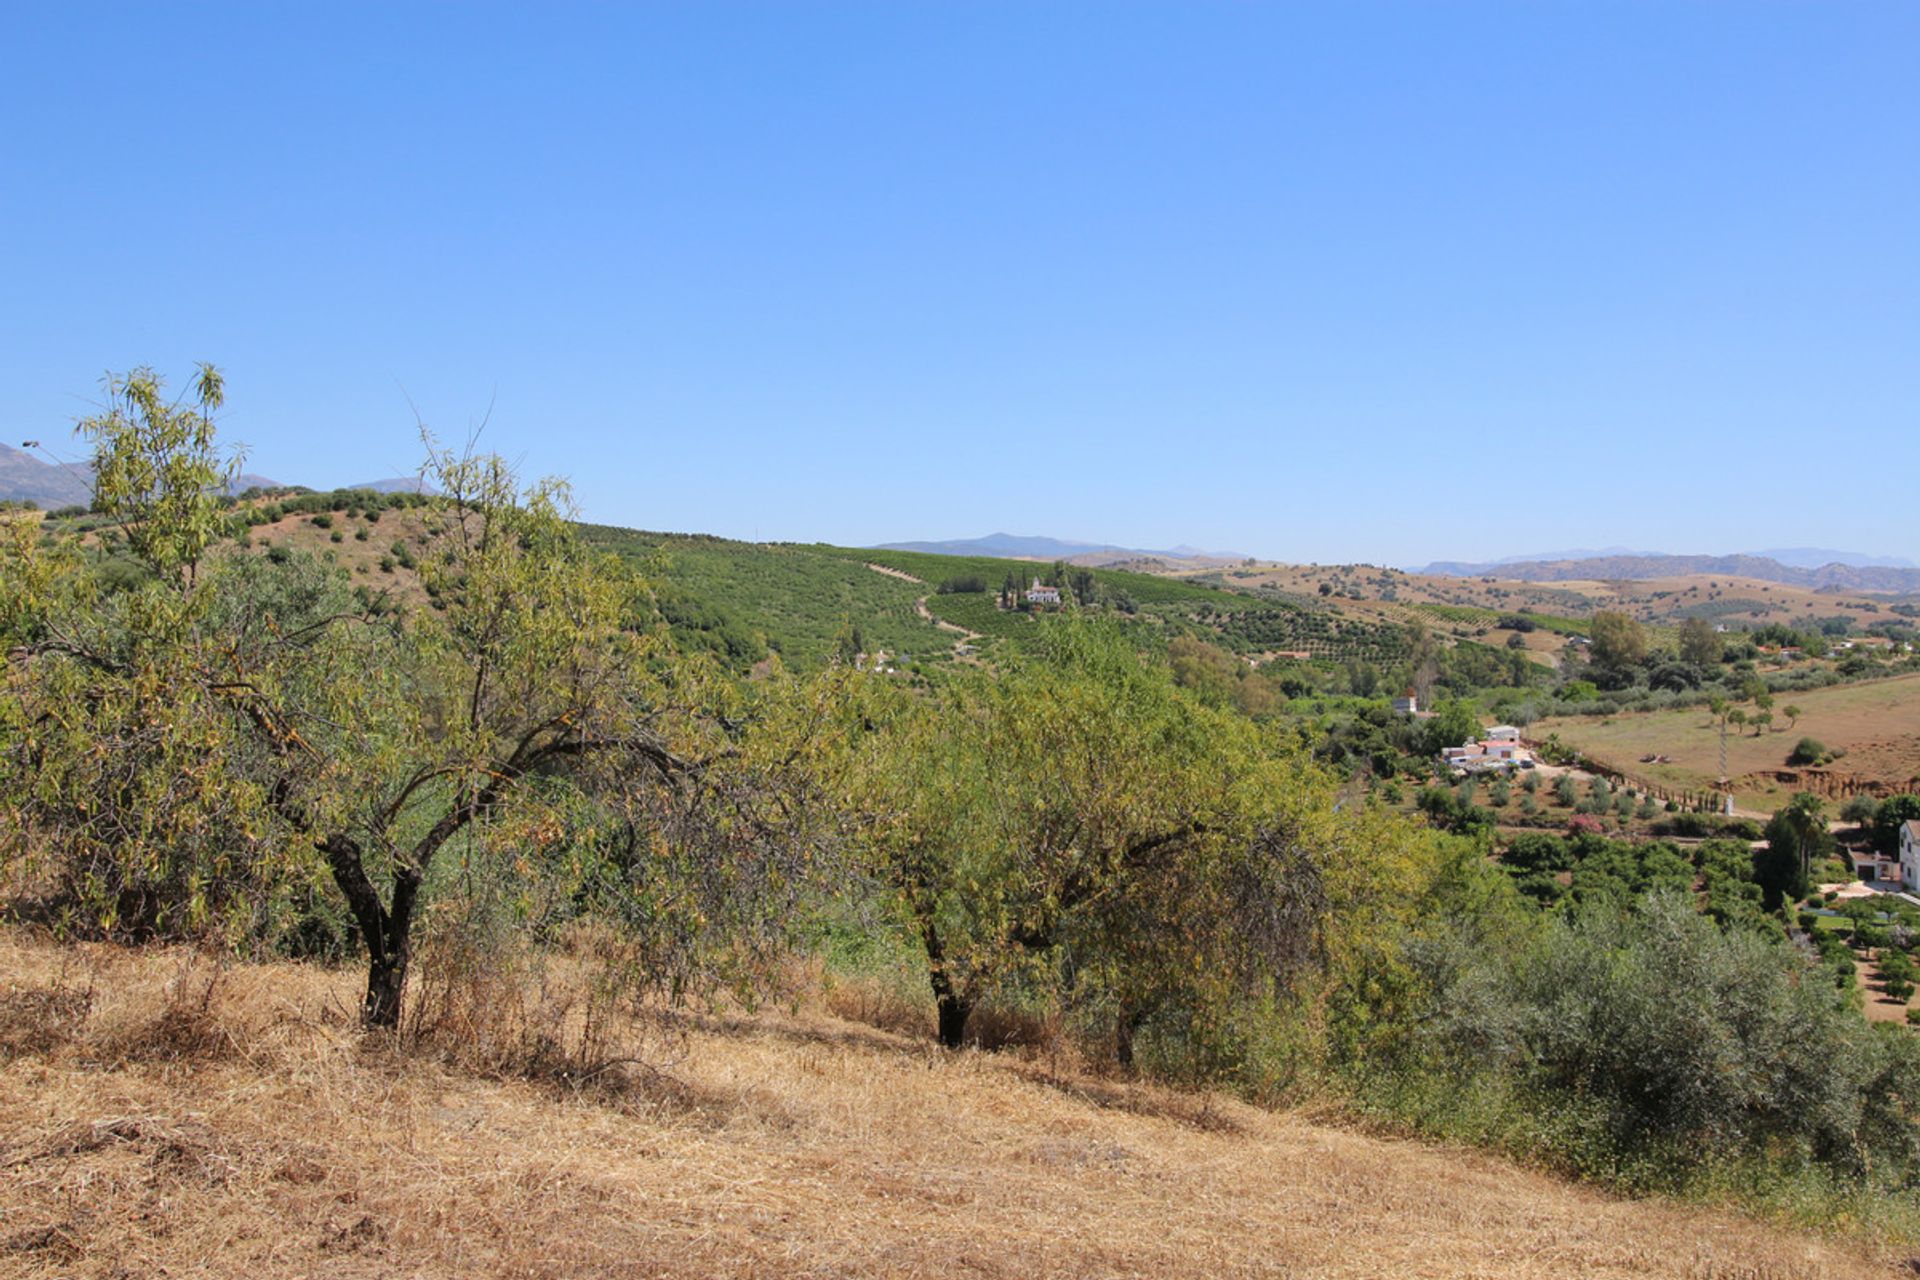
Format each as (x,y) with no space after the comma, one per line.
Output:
(1102,836)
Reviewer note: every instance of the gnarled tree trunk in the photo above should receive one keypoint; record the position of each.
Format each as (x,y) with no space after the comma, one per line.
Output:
(386,930)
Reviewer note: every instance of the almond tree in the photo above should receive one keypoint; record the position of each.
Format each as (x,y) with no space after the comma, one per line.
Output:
(194,733)
(1075,829)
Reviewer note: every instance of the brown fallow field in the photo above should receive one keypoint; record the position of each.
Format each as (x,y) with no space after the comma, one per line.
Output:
(1876,722)
(163,1117)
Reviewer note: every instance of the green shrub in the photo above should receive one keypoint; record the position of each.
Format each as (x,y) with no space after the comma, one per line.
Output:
(1649,1047)
(1809,751)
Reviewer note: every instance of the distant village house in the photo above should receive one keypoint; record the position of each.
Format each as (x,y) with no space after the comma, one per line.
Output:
(1485,756)
(1040,594)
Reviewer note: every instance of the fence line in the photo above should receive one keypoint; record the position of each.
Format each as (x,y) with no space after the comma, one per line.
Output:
(1693,800)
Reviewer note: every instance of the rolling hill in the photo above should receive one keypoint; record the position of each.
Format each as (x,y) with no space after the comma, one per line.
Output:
(1016,546)
(1879,574)
(746,601)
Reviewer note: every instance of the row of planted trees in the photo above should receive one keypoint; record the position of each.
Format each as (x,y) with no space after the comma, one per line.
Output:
(197,741)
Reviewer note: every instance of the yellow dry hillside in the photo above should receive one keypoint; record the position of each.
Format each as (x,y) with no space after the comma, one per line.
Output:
(154,1123)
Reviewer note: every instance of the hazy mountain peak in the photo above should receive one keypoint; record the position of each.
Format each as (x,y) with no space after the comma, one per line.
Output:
(1040,547)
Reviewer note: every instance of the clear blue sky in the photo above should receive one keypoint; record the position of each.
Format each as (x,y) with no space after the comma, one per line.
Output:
(1383,282)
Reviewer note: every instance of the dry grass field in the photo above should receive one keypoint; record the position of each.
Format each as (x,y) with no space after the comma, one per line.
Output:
(361,558)
(1877,723)
(158,1118)
(1740,601)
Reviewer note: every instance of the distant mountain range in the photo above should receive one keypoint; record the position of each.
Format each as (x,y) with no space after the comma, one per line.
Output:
(1034,547)
(1812,567)
(397,484)
(25,478)
(1819,558)
(1792,557)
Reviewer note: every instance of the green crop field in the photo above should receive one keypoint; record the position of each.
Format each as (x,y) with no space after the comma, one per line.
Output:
(744,599)
(793,600)
(979,611)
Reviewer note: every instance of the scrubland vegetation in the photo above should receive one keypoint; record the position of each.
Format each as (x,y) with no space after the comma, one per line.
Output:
(550,835)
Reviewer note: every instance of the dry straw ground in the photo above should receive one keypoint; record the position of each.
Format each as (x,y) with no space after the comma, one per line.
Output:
(154,1125)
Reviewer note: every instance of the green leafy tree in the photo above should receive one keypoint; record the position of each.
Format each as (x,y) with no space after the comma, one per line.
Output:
(1699,643)
(1894,812)
(1618,640)
(193,750)
(1796,838)
(1453,724)
(1860,811)
(158,471)
(1076,829)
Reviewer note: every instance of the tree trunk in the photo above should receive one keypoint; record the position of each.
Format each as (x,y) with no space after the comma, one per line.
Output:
(386,980)
(384,929)
(387,963)
(953,1012)
(1124,1025)
(951,1007)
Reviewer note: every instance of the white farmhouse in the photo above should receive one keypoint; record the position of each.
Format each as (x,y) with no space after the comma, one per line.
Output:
(1038,594)
(1910,853)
